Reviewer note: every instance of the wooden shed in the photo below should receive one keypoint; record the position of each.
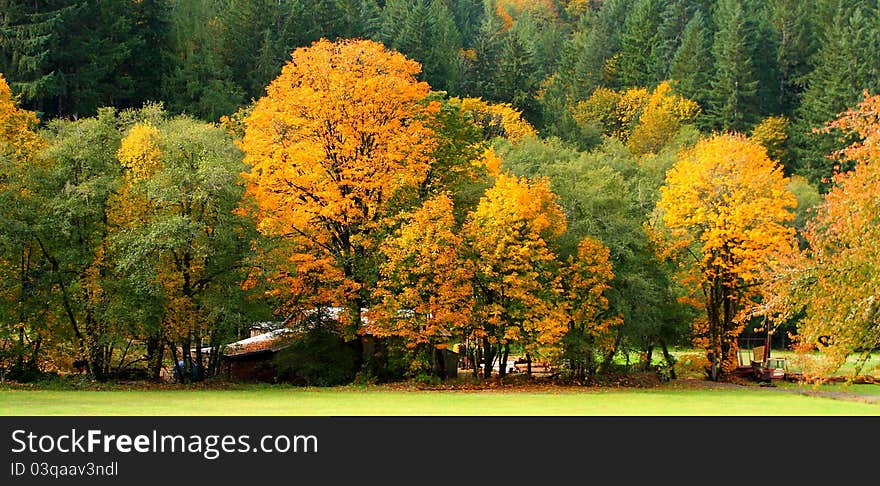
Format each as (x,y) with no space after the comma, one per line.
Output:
(251,359)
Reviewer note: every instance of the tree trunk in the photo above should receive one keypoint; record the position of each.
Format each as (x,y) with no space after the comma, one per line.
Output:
(528,364)
(670,360)
(502,360)
(488,358)
(478,358)
(178,371)
(155,353)
(439,362)
(198,366)
(649,356)
(609,358)
(186,356)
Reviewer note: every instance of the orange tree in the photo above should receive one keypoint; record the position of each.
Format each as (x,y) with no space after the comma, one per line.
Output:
(833,283)
(339,144)
(424,291)
(516,279)
(724,209)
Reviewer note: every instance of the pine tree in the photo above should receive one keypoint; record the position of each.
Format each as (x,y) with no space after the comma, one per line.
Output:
(424,30)
(482,59)
(200,82)
(590,57)
(30,34)
(357,18)
(69,57)
(796,43)
(639,43)
(691,67)
(468,18)
(765,46)
(588,60)
(516,80)
(670,33)
(847,63)
(732,98)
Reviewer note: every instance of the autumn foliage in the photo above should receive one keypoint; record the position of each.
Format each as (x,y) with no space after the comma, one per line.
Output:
(509,236)
(586,280)
(18,135)
(834,280)
(339,138)
(645,119)
(724,211)
(424,294)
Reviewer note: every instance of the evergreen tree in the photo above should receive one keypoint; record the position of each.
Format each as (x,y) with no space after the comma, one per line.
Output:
(468,16)
(795,40)
(257,37)
(590,57)
(68,57)
(200,83)
(516,80)
(482,59)
(30,34)
(639,44)
(692,64)
(847,63)
(732,98)
(98,56)
(588,60)
(425,30)
(765,46)
(673,20)
(357,18)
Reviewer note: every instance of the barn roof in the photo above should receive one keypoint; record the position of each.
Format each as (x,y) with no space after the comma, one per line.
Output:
(272,340)
(269,341)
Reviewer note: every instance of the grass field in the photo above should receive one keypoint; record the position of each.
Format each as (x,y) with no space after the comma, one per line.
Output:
(678,398)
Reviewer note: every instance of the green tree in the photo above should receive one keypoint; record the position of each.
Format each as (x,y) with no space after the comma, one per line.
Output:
(606,194)
(70,57)
(674,18)
(733,91)
(199,81)
(796,43)
(851,39)
(692,65)
(181,241)
(425,31)
(639,45)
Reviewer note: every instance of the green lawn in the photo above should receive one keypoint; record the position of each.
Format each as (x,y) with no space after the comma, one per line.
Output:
(676,399)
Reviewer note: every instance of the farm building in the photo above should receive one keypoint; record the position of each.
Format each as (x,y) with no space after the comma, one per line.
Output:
(251,358)
(254,358)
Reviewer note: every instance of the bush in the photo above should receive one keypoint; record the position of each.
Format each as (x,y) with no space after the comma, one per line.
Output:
(319,357)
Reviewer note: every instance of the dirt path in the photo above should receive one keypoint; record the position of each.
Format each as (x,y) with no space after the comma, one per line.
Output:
(834,395)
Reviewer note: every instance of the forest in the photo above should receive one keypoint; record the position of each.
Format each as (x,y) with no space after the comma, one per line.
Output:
(572,181)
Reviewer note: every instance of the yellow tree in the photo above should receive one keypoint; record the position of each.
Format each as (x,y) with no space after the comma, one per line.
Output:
(425,289)
(646,120)
(341,138)
(724,209)
(24,308)
(18,135)
(772,133)
(834,281)
(495,119)
(516,282)
(586,278)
